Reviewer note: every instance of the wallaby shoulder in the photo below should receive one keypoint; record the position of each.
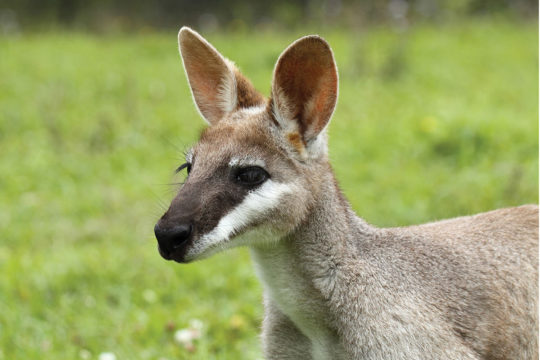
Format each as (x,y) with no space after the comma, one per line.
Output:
(519,215)
(507,227)
(463,252)
(471,274)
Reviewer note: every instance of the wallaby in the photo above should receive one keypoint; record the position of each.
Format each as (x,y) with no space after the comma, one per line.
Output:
(336,287)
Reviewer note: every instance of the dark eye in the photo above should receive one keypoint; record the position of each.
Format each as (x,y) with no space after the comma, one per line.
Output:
(184,166)
(251,176)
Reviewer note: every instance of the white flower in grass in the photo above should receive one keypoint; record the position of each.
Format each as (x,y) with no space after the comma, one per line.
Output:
(185,337)
(107,356)
(85,354)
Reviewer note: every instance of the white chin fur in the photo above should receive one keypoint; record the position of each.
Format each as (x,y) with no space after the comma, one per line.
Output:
(256,204)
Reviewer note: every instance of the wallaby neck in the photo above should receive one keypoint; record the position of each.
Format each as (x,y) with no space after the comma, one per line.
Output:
(300,271)
(329,235)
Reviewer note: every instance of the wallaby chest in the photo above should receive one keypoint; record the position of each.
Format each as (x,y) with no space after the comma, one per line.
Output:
(294,295)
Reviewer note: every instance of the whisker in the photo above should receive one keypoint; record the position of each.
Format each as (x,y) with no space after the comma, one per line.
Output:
(160,202)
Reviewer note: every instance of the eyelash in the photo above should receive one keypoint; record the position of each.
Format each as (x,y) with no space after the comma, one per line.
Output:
(184,166)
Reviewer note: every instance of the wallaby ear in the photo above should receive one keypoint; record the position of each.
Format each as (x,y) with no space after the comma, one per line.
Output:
(217,86)
(210,77)
(305,87)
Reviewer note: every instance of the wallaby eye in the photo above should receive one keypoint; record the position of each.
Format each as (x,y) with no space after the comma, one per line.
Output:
(251,176)
(184,166)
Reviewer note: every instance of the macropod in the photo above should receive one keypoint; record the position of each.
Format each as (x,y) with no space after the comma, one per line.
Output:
(335,286)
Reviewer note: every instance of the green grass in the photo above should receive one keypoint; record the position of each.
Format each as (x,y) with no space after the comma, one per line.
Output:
(436,122)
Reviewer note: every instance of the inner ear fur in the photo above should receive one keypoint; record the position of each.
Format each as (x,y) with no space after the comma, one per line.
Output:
(217,85)
(305,86)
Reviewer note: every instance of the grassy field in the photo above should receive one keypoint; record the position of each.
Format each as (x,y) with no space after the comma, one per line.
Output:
(431,123)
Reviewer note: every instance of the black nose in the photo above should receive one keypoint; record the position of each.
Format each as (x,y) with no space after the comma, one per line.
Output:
(171,239)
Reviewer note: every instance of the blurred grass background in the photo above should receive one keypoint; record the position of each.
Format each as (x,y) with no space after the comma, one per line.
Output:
(437,117)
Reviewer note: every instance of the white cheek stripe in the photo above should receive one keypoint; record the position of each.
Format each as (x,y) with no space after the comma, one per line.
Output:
(255,204)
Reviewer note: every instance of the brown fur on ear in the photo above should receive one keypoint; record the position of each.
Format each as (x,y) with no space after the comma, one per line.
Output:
(305,86)
(217,86)
(246,94)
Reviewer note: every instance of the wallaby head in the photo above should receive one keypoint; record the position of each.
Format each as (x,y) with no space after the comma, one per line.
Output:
(255,172)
